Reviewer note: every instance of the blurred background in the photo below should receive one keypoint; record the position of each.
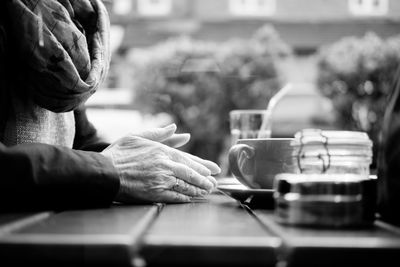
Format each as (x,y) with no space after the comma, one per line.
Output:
(192,61)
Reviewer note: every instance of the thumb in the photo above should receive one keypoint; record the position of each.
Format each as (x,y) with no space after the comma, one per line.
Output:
(158,134)
(177,140)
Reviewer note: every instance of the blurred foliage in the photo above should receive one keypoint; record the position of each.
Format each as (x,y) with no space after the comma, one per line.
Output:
(199,82)
(357,74)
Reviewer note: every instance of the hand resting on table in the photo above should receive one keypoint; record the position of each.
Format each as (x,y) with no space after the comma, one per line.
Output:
(151,169)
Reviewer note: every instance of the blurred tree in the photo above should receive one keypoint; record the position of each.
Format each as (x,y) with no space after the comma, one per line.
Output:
(198,83)
(357,75)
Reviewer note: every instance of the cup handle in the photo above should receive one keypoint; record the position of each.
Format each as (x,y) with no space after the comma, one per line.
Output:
(239,155)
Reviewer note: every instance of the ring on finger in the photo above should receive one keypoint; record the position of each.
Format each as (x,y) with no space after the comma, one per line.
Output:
(176,185)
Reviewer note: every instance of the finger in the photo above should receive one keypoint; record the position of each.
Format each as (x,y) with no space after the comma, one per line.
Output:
(213,167)
(177,140)
(182,187)
(169,196)
(190,176)
(212,180)
(182,157)
(158,134)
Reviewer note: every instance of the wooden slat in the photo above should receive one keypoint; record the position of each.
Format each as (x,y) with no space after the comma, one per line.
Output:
(87,237)
(216,232)
(13,221)
(373,246)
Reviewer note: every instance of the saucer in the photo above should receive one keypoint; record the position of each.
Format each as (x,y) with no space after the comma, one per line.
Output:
(254,198)
(228,181)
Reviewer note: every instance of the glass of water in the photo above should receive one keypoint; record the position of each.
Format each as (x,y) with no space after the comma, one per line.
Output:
(249,124)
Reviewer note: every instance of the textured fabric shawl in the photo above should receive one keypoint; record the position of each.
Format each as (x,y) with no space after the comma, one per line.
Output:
(63,49)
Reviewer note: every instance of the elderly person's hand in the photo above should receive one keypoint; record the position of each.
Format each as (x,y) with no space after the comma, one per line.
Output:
(152,170)
(165,135)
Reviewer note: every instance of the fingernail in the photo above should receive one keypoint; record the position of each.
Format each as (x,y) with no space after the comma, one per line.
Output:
(217,169)
(212,180)
(208,185)
(214,168)
(187,135)
(170,127)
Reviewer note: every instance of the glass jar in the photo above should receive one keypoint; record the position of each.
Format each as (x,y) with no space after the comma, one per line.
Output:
(333,186)
(347,152)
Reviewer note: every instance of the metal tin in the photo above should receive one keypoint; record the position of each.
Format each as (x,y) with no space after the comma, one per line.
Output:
(325,200)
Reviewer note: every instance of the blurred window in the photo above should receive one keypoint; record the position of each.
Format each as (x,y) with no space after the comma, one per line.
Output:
(122,7)
(154,7)
(369,7)
(116,36)
(252,7)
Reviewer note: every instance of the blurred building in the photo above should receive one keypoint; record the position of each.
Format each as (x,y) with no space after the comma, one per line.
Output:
(305,25)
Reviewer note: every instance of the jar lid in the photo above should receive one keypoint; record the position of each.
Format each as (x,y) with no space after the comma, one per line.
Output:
(317,137)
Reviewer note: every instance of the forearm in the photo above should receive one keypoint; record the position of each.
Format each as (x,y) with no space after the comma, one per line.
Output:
(51,177)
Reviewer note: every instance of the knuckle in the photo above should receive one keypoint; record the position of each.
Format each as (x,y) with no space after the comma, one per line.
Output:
(180,198)
(187,188)
(159,162)
(179,156)
(163,177)
(157,184)
(177,196)
(197,192)
(200,192)
(153,188)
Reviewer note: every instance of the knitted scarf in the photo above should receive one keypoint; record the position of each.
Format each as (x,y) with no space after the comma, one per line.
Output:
(60,56)
(63,46)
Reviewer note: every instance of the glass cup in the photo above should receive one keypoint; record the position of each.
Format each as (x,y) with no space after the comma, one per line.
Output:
(249,124)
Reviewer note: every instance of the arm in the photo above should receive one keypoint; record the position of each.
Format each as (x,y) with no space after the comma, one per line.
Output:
(38,176)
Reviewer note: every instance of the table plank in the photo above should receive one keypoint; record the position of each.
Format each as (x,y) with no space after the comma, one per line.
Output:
(216,232)
(82,237)
(14,221)
(378,245)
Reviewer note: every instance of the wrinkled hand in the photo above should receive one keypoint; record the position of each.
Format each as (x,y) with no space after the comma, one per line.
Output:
(151,170)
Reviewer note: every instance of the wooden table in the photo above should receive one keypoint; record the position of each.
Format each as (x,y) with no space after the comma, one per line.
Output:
(216,232)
